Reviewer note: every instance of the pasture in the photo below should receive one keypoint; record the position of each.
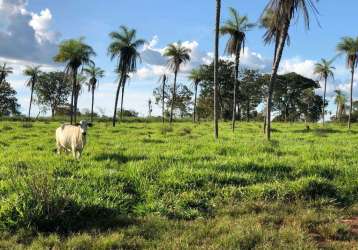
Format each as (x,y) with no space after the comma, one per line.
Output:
(144,186)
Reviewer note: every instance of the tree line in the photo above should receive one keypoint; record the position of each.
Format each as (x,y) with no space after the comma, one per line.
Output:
(277,93)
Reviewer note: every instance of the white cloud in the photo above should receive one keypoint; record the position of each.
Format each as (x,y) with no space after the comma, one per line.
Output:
(302,67)
(25,35)
(41,23)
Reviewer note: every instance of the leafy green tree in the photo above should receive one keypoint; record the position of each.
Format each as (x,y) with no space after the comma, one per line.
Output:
(236,27)
(53,90)
(277,30)
(75,53)
(325,70)
(252,85)
(33,73)
(4,72)
(195,77)
(8,100)
(349,47)
(124,47)
(225,83)
(290,96)
(178,55)
(251,95)
(216,62)
(94,74)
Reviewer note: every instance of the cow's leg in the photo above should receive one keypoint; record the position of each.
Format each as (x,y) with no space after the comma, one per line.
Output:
(74,152)
(58,148)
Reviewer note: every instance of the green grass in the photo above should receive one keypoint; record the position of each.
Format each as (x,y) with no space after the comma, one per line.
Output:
(142,185)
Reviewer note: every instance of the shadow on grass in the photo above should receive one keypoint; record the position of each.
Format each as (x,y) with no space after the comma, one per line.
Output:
(153,141)
(119,157)
(318,131)
(262,172)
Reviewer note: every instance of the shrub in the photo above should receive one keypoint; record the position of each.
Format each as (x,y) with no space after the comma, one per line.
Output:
(185,131)
(166,129)
(27,125)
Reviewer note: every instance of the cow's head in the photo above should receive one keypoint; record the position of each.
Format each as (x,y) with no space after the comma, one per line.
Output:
(84,126)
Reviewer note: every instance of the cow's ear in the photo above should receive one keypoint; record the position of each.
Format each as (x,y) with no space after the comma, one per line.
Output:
(90,124)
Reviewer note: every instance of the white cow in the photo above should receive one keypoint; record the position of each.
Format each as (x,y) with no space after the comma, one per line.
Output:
(72,138)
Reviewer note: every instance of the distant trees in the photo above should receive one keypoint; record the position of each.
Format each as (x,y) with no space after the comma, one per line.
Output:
(252,86)
(181,104)
(75,53)
(340,100)
(236,27)
(325,70)
(178,55)
(124,47)
(53,90)
(94,74)
(163,79)
(8,100)
(33,73)
(195,77)
(349,47)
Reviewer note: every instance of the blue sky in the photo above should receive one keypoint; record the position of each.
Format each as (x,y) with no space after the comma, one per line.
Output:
(44,23)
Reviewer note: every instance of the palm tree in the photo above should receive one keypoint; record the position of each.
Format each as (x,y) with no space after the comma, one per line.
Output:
(93,73)
(80,81)
(216,62)
(75,53)
(164,80)
(277,30)
(236,28)
(340,100)
(178,55)
(195,77)
(349,46)
(124,47)
(4,72)
(325,70)
(33,73)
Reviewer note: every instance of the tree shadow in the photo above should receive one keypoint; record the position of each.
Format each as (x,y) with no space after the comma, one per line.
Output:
(153,141)
(77,218)
(119,157)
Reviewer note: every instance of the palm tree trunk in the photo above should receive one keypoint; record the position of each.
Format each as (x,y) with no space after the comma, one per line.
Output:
(324,99)
(236,87)
(116,101)
(195,97)
(351,100)
(92,104)
(122,97)
(74,79)
(276,64)
(32,92)
(173,97)
(163,102)
(216,62)
(76,102)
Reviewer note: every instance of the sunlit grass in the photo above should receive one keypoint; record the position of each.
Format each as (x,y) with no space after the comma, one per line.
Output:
(139,184)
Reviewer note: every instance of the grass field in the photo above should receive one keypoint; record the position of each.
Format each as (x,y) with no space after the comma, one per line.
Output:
(142,185)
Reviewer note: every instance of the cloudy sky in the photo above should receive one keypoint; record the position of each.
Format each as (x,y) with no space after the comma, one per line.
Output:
(31,29)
